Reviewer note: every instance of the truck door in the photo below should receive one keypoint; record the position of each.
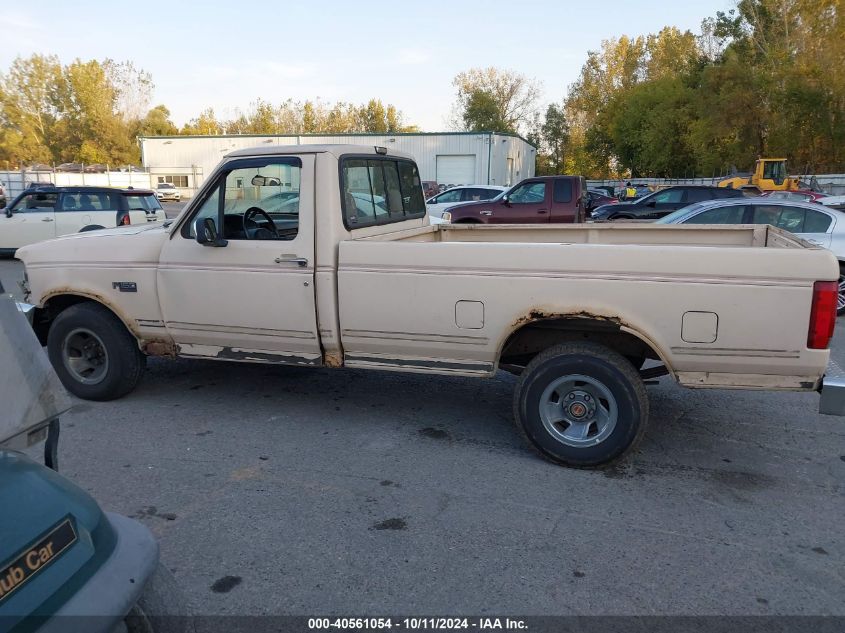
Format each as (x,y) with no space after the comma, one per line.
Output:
(29,220)
(249,294)
(567,204)
(527,203)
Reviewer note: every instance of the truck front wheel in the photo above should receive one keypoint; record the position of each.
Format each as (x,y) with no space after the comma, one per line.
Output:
(93,354)
(581,404)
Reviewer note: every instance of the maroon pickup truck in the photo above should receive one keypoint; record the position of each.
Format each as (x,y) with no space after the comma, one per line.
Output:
(545,199)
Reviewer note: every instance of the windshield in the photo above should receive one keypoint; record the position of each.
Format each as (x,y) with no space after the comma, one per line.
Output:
(165,185)
(673,217)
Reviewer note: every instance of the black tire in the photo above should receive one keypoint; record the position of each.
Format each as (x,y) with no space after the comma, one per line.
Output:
(123,364)
(636,361)
(840,308)
(616,386)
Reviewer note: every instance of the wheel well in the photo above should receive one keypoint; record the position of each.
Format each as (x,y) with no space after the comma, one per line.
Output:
(54,306)
(533,337)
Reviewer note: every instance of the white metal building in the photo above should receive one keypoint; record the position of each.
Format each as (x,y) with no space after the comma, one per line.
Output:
(450,158)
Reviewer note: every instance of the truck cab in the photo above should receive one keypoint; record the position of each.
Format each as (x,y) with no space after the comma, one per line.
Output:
(540,200)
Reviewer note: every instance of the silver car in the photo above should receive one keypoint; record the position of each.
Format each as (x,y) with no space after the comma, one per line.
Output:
(820,225)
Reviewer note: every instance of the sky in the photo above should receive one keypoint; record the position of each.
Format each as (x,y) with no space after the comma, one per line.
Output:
(226,55)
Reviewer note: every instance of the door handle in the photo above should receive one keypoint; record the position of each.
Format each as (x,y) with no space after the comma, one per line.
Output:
(302,262)
(485,213)
(542,210)
(46,219)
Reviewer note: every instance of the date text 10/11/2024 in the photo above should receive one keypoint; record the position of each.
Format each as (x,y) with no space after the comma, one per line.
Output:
(483,624)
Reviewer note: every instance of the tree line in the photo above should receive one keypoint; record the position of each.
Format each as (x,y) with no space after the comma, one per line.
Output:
(764,79)
(93,111)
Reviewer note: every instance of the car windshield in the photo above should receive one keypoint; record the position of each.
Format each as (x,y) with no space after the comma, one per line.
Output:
(165,185)
(673,217)
(143,202)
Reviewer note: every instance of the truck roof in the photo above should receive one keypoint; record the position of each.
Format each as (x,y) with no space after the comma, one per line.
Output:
(337,149)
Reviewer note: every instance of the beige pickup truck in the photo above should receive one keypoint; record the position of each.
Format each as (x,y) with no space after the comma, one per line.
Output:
(323,256)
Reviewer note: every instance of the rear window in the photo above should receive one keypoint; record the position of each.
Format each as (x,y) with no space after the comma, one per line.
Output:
(725,192)
(721,215)
(698,194)
(89,201)
(378,190)
(142,202)
(563,190)
(816,222)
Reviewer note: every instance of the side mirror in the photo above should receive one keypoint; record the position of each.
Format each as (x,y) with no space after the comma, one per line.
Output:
(652,204)
(506,200)
(206,232)
(265,181)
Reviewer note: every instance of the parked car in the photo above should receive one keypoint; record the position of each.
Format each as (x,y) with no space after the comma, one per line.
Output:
(575,313)
(797,196)
(813,222)
(167,191)
(543,199)
(43,213)
(437,204)
(597,198)
(663,202)
(430,188)
(837,202)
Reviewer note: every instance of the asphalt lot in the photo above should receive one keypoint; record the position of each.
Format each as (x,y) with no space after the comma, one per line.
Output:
(291,491)
(172,209)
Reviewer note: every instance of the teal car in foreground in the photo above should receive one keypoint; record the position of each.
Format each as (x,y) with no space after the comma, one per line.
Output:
(65,565)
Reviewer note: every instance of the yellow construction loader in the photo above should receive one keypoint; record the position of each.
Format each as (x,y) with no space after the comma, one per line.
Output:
(769,175)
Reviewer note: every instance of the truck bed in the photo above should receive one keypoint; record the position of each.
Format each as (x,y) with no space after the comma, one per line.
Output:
(741,235)
(449,297)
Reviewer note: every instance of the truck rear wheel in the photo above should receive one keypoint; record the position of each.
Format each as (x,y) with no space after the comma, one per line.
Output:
(93,354)
(581,404)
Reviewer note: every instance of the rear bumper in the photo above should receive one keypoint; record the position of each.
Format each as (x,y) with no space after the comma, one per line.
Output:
(109,595)
(832,390)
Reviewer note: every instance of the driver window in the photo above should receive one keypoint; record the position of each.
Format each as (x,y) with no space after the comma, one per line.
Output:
(672,196)
(259,203)
(532,192)
(35,202)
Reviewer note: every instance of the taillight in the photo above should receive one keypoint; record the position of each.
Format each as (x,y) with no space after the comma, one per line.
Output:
(126,221)
(822,314)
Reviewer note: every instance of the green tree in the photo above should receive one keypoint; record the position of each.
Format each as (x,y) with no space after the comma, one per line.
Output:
(205,124)
(91,130)
(493,96)
(482,114)
(30,107)
(157,123)
(553,141)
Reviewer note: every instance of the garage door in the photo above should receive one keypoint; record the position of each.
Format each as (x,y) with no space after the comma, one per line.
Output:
(456,170)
